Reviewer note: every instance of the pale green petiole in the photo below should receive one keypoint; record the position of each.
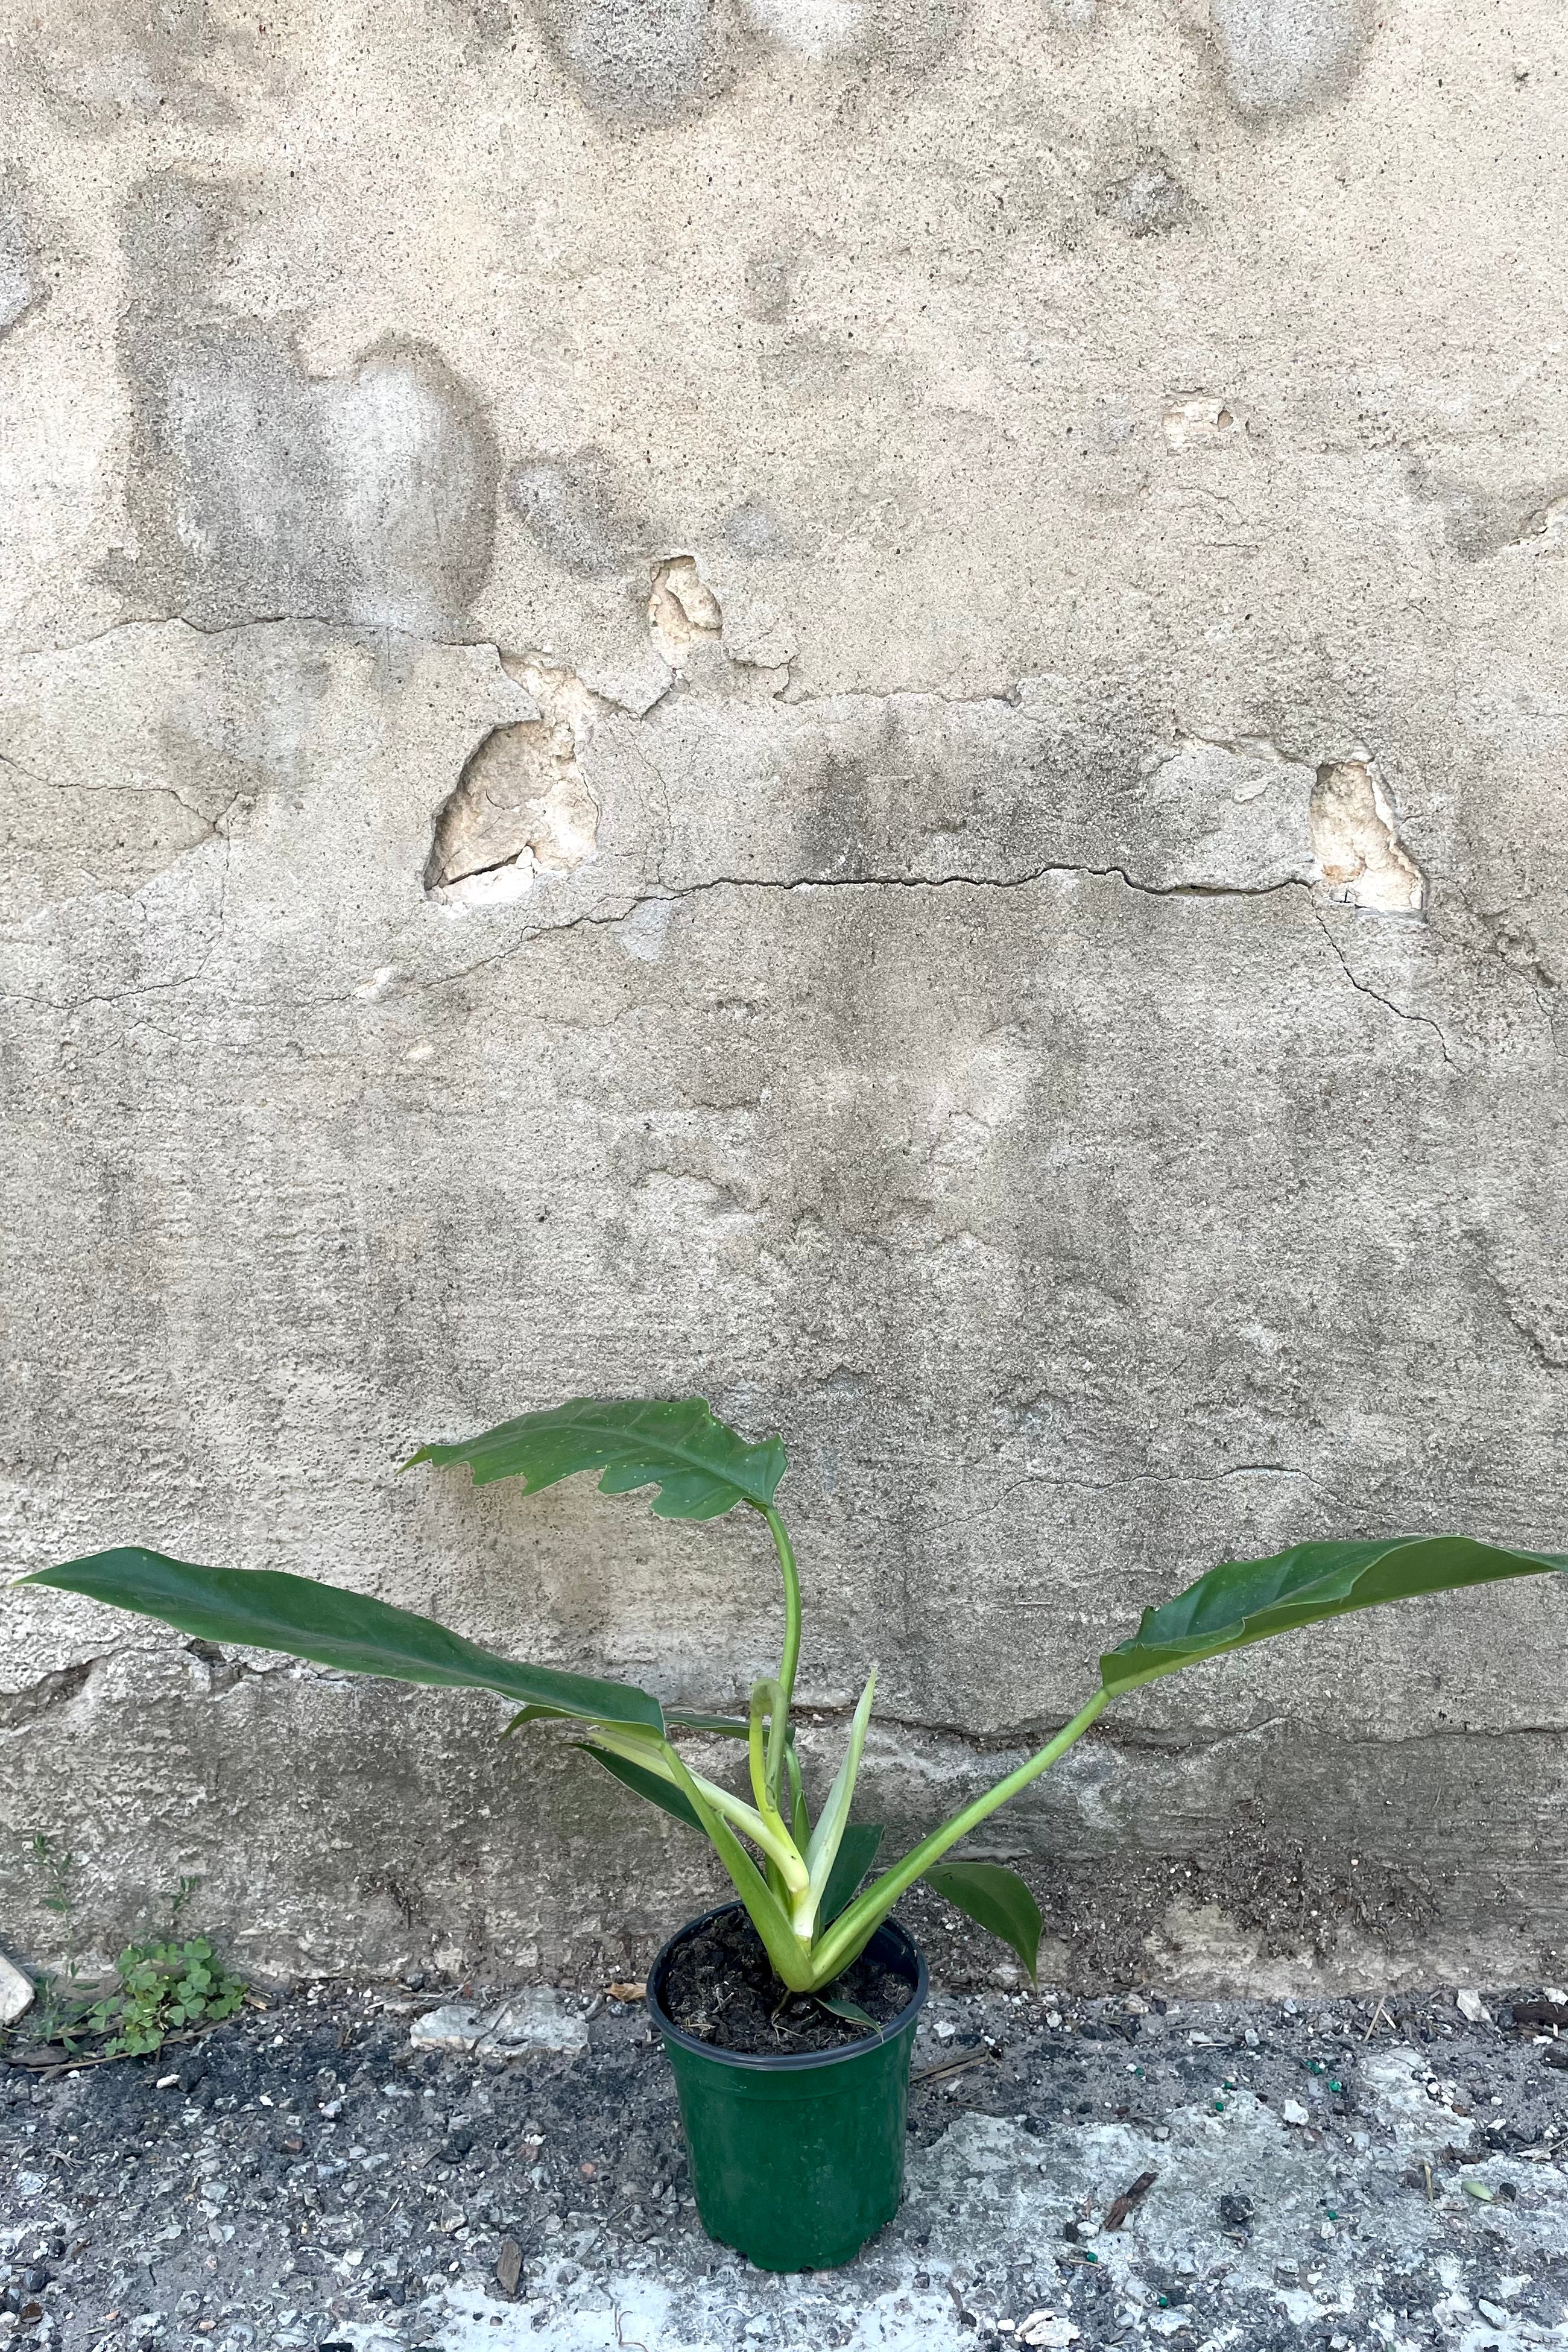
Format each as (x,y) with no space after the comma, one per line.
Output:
(849,1931)
(657,1756)
(791,1658)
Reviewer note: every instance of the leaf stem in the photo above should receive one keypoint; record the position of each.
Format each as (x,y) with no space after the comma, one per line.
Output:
(658,1756)
(849,1931)
(790,1657)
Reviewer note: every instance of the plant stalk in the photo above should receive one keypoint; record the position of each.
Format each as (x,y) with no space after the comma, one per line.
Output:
(847,1935)
(659,1756)
(790,1657)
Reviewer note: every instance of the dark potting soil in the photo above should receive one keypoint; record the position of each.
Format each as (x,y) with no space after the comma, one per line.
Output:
(720,1986)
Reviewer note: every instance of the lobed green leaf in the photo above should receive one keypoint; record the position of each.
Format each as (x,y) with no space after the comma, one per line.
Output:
(700,1465)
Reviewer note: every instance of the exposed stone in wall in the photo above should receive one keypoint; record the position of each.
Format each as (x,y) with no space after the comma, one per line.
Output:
(520,807)
(682,611)
(1356,844)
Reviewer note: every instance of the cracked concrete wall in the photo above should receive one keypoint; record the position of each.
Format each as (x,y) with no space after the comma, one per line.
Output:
(858,703)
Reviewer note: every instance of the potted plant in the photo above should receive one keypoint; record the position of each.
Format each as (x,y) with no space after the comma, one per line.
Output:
(788,2015)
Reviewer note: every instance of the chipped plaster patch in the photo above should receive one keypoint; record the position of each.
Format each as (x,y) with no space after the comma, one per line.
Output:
(522,806)
(1359,857)
(1197,420)
(682,609)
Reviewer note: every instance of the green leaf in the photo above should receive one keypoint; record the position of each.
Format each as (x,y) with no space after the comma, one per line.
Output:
(856,1853)
(995,1898)
(701,1466)
(849,2009)
(264,1610)
(645,1784)
(1244,1601)
(822,1852)
(538,1715)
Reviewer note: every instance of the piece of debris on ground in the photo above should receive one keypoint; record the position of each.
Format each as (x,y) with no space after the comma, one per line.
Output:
(1354,2175)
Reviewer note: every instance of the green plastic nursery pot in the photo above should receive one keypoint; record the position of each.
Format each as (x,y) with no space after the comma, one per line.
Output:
(797,2161)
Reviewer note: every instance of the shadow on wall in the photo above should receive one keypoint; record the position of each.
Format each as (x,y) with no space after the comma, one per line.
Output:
(257,491)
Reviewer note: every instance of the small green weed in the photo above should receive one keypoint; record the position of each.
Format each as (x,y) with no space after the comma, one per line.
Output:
(163,1987)
(61,2003)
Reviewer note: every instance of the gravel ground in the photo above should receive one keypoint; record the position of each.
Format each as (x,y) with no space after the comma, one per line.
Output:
(1341,2174)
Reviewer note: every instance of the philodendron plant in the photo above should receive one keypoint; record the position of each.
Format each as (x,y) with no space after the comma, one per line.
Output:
(797,1876)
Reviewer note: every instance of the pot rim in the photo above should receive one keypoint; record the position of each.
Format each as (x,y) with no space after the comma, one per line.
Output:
(797,2062)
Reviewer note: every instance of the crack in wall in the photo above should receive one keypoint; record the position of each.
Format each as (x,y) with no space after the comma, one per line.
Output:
(1135,1740)
(1365,988)
(526,780)
(35,1700)
(594,919)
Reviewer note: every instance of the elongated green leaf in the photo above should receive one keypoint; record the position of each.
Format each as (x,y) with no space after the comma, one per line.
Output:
(263,1609)
(644,1784)
(526,1715)
(821,1854)
(1244,1601)
(856,1853)
(720,1727)
(700,1465)
(995,1898)
(851,2011)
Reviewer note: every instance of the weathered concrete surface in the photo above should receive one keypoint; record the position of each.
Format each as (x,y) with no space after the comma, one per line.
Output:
(859,707)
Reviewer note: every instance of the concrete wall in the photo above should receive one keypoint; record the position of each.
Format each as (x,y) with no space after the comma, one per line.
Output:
(856,703)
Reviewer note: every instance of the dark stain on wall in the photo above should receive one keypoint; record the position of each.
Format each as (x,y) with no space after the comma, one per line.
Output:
(1283,56)
(577,510)
(100,63)
(257,491)
(644,60)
